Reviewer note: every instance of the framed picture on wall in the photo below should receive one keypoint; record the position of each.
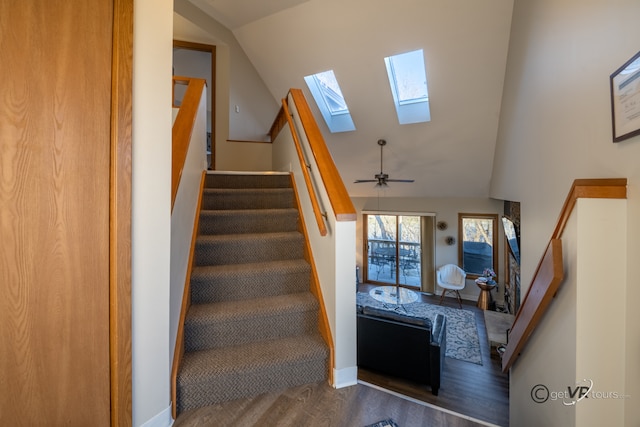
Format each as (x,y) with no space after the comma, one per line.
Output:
(625,99)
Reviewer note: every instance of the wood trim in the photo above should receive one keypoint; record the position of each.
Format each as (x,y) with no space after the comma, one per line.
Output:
(212,49)
(614,188)
(338,196)
(278,124)
(316,290)
(120,215)
(546,282)
(182,130)
(305,173)
(178,352)
(249,141)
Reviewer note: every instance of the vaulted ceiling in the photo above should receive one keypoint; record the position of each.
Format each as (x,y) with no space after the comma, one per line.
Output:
(465,43)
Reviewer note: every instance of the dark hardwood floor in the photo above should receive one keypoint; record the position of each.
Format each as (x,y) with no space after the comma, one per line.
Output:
(319,404)
(477,391)
(470,395)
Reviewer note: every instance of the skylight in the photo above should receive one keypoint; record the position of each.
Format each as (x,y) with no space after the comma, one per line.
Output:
(408,81)
(326,91)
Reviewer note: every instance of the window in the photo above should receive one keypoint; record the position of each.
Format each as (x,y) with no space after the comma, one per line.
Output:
(477,245)
(408,81)
(326,92)
(393,249)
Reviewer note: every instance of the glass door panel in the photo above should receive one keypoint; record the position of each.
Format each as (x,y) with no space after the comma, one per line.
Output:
(382,248)
(394,252)
(410,259)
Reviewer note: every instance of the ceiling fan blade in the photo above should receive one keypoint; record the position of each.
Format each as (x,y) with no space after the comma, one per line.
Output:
(381,178)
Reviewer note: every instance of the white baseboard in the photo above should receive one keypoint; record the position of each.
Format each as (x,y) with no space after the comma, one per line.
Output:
(163,419)
(345,377)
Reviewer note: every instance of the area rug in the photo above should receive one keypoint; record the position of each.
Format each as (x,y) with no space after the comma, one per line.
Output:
(384,423)
(462,335)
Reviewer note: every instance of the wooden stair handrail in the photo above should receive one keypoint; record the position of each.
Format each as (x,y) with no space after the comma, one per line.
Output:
(183,128)
(550,272)
(178,351)
(338,196)
(341,203)
(544,286)
(305,173)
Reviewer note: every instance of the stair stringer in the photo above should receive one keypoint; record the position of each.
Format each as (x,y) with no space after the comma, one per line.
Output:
(323,320)
(186,302)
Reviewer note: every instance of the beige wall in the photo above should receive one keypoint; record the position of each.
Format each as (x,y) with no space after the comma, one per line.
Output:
(183,216)
(151,211)
(237,85)
(333,255)
(555,126)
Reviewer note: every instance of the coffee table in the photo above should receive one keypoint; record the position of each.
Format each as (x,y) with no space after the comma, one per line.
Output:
(393,295)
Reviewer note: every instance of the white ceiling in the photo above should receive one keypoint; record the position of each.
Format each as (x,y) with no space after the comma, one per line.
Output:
(465,44)
(236,13)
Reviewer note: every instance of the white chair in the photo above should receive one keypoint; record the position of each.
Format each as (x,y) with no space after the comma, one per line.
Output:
(451,278)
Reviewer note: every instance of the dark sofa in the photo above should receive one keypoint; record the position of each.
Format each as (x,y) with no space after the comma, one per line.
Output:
(398,345)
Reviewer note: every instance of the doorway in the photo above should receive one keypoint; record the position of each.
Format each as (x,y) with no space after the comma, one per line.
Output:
(198,60)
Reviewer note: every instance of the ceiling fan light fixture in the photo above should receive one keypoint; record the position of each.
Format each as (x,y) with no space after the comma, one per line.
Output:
(382,178)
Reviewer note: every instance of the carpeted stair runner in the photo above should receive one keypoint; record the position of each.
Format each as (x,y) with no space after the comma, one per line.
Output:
(252,326)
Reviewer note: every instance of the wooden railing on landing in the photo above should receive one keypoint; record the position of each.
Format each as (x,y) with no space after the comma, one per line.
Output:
(550,272)
(341,204)
(183,127)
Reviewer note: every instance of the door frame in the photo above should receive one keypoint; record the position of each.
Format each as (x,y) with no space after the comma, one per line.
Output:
(395,264)
(212,50)
(120,357)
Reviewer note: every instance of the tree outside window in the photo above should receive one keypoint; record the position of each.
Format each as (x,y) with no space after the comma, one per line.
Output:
(477,246)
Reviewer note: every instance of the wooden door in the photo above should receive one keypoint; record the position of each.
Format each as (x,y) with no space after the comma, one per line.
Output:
(55,160)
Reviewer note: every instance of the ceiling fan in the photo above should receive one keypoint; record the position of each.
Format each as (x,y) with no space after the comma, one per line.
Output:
(381,178)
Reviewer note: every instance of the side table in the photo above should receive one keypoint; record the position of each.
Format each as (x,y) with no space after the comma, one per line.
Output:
(484,299)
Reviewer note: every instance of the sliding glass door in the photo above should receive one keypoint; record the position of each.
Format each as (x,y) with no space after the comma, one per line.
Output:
(394,249)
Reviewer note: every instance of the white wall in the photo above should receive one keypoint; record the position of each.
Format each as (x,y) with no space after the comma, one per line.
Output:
(580,338)
(334,255)
(555,126)
(237,84)
(549,358)
(599,314)
(446,210)
(151,211)
(183,215)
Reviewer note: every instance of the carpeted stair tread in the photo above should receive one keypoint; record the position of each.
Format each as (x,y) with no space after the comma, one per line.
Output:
(231,282)
(235,180)
(238,322)
(256,307)
(237,221)
(248,248)
(252,324)
(222,374)
(247,198)
(207,364)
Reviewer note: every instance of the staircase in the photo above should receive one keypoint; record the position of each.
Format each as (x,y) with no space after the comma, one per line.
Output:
(252,326)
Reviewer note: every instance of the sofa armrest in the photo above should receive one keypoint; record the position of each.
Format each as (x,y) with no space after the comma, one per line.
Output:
(439,331)
(437,349)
